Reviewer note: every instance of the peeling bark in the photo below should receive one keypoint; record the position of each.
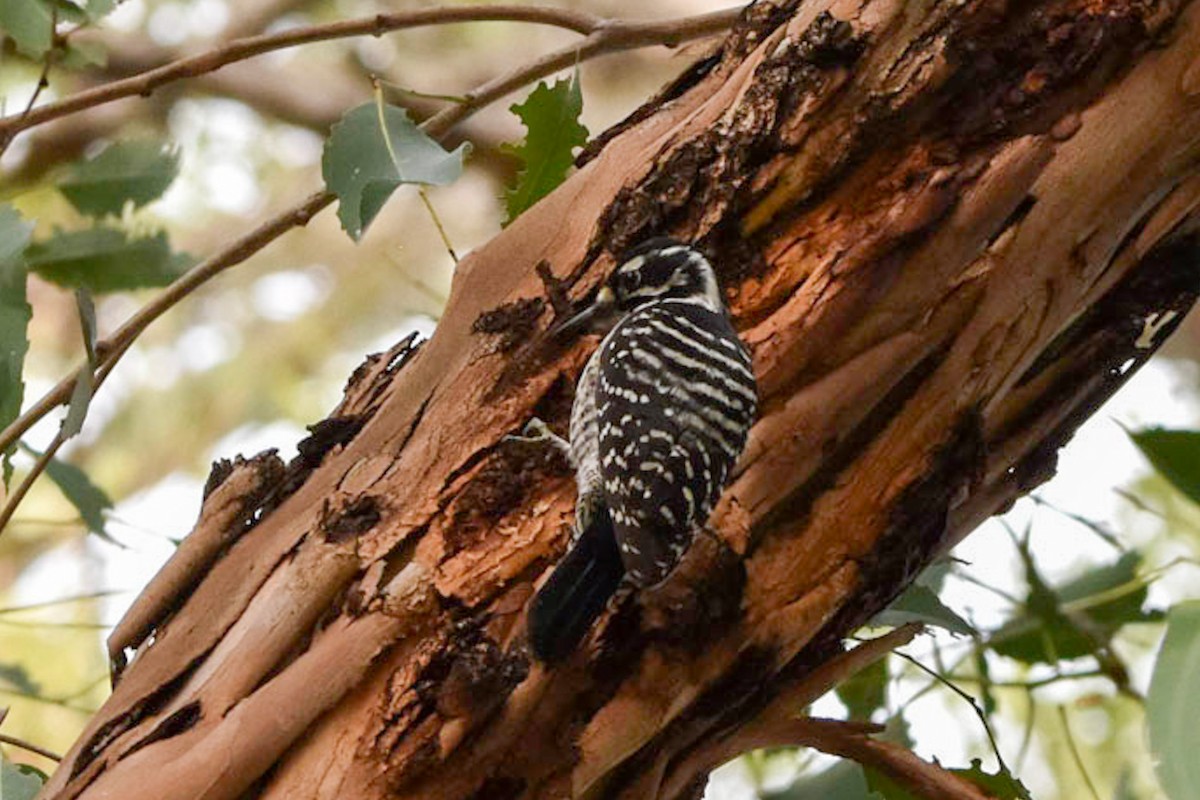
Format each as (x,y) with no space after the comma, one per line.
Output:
(946,231)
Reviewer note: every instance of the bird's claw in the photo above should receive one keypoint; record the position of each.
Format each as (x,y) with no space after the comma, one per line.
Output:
(538,433)
(535,431)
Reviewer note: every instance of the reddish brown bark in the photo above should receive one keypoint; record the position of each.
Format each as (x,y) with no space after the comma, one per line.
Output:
(943,228)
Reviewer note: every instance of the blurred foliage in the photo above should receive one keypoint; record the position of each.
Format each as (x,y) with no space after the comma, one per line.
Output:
(1173,705)
(552,135)
(1080,631)
(19,781)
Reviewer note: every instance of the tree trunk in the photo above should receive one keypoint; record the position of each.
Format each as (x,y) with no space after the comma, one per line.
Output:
(948,231)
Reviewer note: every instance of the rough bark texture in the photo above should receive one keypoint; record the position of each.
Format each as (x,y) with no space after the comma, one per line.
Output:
(948,230)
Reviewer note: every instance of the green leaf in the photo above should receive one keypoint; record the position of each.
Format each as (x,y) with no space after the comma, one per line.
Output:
(1002,785)
(99,8)
(136,171)
(884,787)
(919,604)
(81,395)
(104,259)
(81,54)
(372,150)
(1176,456)
(88,498)
(87,322)
(15,313)
(553,132)
(19,781)
(15,676)
(1173,704)
(843,781)
(865,691)
(81,399)
(29,24)
(1076,618)
(68,11)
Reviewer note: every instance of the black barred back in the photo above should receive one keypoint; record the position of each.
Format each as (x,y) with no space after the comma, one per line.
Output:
(675,399)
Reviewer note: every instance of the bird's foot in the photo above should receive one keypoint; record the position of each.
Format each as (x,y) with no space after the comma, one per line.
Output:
(539,433)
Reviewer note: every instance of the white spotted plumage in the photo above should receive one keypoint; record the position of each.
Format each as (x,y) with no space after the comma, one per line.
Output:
(662,410)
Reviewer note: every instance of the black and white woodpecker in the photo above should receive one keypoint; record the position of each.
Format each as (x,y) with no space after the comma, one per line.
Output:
(661,413)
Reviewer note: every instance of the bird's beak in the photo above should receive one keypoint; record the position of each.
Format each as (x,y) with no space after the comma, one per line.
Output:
(598,313)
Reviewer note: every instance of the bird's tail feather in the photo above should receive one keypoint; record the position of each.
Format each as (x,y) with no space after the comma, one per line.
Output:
(578,590)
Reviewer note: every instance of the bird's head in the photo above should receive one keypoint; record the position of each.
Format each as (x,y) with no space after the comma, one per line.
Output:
(658,269)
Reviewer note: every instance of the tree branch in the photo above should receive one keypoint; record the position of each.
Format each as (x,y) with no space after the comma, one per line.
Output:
(33,748)
(926,780)
(610,34)
(608,38)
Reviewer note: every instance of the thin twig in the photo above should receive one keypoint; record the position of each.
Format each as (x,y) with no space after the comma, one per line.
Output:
(79,598)
(971,579)
(974,705)
(437,223)
(33,748)
(1075,755)
(43,82)
(927,780)
(1095,527)
(39,466)
(43,625)
(1027,734)
(669,32)
(611,37)
(1030,685)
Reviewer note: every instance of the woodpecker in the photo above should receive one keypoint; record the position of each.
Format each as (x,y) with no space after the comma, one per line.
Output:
(661,413)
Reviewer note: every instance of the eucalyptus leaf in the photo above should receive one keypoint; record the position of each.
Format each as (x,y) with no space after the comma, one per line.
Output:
(81,399)
(1176,456)
(19,781)
(919,604)
(30,24)
(1173,704)
(88,498)
(865,691)
(553,134)
(87,322)
(136,171)
(15,313)
(1074,619)
(83,54)
(374,149)
(104,259)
